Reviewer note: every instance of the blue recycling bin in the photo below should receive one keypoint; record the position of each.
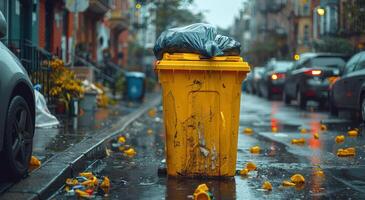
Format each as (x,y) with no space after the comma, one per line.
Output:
(135,86)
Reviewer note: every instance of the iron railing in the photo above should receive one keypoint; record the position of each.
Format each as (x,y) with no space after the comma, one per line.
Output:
(36,62)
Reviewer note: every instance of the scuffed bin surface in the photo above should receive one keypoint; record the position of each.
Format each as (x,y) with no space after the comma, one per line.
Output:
(201,101)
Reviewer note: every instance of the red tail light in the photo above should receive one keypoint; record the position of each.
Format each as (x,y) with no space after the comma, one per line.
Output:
(277,76)
(313,72)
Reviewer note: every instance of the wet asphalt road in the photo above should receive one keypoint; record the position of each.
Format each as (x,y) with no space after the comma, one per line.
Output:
(137,178)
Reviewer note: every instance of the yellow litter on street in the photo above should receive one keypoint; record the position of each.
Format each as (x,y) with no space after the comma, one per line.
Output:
(287,184)
(297,179)
(323,127)
(303,130)
(105,185)
(348,152)
(88,175)
(267,186)
(255,150)
(202,193)
(71,182)
(251,166)
(340,138)
(353,133)
(34,162)
(244,172)
(121,140)
(298,141)
(130,152)
(248,131)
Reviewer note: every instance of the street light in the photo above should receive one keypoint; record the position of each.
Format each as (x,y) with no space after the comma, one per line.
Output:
(138,6)
(296,57)
(321,11)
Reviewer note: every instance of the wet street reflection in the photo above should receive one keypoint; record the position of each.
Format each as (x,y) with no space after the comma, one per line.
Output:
(274,126)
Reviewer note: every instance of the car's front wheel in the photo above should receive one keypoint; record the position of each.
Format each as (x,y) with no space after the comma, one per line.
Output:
(18,140)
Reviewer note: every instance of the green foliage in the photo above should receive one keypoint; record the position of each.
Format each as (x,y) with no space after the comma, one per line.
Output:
(334,45)
(172,13)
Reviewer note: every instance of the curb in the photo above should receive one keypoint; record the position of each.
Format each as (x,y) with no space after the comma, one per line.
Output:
(47,180)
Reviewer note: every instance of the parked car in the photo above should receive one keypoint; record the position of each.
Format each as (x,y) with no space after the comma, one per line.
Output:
(348,91)
(17,113)
(273,77)
(253,78)
(310,77)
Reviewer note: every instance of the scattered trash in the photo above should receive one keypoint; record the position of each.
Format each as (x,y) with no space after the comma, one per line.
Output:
(297,179)
(353,133)
(34,162)
(323,127)
(287,184)
(202,193)
(87,185)
(346,152)
(105,185)
(152,112)
(244,172)
(316,136)
(130,152)
(267,186)
(83,194)
(303,130)
(251,166)
(248,131)
(44,118)
(340,138)
(298,141)
(71,182)
(121,140)
(255,149)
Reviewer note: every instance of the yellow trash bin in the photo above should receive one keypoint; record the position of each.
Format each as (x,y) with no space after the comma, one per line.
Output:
(201,106)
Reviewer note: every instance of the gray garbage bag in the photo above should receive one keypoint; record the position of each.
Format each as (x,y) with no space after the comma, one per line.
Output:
(44,118)
(228,45)
(196,38)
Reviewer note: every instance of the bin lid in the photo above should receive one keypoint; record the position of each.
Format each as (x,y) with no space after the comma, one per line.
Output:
(135,74)
(191,61)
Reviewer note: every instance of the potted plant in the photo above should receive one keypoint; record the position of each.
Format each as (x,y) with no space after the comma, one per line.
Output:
(65,87)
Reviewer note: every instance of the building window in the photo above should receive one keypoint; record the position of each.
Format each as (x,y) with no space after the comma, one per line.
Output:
(306,34)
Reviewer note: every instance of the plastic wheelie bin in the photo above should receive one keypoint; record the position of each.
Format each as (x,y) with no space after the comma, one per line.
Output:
(135,86)
(201,108)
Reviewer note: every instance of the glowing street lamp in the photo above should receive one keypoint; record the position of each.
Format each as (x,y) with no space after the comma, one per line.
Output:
(321,11)
(296,57)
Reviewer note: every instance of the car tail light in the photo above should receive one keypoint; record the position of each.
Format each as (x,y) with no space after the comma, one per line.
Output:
(313,72)
(277,76)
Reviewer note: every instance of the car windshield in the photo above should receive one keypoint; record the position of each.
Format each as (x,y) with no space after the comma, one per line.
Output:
(331,62)
(282,66)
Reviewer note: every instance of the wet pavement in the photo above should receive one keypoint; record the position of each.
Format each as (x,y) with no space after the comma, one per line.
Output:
(344,177)
(49,141)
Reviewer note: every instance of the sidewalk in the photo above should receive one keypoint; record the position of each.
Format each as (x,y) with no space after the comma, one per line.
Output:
(67,150)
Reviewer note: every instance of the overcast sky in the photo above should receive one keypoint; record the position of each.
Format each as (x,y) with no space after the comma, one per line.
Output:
(218,12)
